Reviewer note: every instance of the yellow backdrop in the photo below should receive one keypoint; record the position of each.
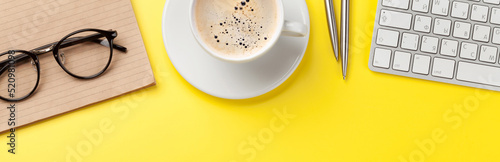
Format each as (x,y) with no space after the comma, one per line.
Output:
(314,116)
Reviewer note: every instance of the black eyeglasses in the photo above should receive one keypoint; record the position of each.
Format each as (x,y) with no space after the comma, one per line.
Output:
(83,54)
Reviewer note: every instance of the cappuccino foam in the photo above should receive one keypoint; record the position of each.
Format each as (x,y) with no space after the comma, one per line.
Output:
(236,28)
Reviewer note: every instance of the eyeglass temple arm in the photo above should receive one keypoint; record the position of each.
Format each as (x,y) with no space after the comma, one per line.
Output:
(77,40)
(4,64)
(93,38)
(67,43)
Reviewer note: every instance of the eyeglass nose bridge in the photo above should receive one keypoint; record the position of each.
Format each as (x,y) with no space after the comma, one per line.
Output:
(42,51)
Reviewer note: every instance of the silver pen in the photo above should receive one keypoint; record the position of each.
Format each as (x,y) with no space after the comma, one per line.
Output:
(332,24)
(344,36)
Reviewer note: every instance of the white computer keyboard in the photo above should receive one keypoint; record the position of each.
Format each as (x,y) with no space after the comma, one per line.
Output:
(451,41)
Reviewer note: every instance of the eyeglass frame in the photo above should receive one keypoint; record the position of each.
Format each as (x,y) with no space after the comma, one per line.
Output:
(110,35)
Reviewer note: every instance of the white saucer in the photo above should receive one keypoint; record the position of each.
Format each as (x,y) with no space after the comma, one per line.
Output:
(229,80)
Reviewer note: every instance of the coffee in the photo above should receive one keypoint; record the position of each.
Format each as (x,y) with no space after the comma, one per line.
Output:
(236,28)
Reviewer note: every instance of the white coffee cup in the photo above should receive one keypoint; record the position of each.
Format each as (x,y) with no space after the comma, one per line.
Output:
(284,28)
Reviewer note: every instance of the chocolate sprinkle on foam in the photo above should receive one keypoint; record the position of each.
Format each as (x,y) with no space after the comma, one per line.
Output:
(241,27)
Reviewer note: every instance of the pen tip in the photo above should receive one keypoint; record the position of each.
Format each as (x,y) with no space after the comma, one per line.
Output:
(344,77)
(336,54)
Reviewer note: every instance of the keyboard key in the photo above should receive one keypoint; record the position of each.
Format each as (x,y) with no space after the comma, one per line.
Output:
(429,44)
(449,47)
(468,51)
(395,19)
(401,61)
(440,7)
(488,54)
(422,23)
(460,10)
(387,38)
(479,13)
(477,73)
(481,33)
(495,16)
(401,4)
(421,6)
(421,64)
(410,41)
(443,68)
(461,30)
(492,1)
(382,58)
(496,35)
(442,27)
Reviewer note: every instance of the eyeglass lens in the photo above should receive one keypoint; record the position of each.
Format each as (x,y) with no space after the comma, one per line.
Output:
(88,58)
(19,77)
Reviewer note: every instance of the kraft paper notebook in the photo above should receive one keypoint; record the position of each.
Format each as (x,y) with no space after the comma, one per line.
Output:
(27,24)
